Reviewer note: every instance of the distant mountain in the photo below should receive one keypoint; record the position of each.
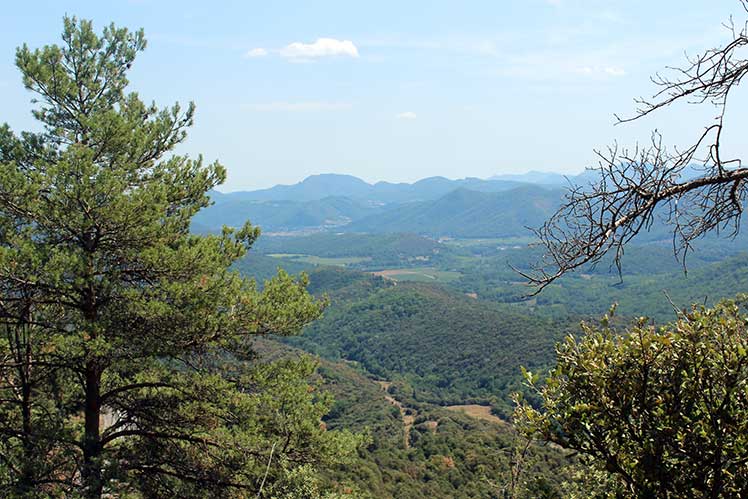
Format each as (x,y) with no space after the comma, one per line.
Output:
(457,208)
(549,178)
(332,185)
(582,179)
(433,206)
(536,177)
(317,187)
(432,188)
(314,187)
(281,215)
(467,213)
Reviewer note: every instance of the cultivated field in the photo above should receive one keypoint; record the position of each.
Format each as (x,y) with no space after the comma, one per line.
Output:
(419,274)
(318,260)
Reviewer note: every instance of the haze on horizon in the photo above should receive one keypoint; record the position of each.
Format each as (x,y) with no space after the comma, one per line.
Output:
(395,92)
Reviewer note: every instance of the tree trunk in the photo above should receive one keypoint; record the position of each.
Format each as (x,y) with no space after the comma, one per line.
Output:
(23,347)
(91,473)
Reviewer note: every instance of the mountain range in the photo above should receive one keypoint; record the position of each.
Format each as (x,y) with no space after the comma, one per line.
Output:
(503,206)
(543,178)
(434,206)
(326,185)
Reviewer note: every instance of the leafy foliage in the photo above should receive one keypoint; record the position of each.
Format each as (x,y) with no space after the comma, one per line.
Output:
(664,410)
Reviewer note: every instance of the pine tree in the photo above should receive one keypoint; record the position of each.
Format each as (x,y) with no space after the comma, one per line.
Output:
(127,365)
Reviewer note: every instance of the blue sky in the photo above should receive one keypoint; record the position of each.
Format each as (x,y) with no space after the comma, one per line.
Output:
(395,90)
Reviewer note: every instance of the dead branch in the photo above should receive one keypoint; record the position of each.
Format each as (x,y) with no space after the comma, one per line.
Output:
(634,187)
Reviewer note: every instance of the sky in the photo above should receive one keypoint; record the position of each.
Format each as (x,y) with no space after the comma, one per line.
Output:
(396,90)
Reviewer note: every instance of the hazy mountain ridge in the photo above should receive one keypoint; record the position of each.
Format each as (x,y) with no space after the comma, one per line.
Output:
(283,215)
(321,186)
(541,178)
(433,206)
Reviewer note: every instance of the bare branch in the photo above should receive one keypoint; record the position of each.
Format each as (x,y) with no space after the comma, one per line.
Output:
(635,187)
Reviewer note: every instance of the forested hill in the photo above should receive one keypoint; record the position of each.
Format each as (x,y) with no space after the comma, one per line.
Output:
(466,213)
(420,450)
(332,211)
(453,348)
(449,348)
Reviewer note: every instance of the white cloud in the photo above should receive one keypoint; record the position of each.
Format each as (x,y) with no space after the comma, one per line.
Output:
(323,47)
(407,115)
(309,106)
(257,52)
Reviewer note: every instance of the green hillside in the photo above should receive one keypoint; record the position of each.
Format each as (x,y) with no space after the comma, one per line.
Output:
(283,215)
(645,294)
(420,450)
(467,213)
(432,348)
(453,349)
(449,348)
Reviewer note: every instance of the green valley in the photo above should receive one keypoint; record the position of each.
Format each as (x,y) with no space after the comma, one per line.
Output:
(171,327)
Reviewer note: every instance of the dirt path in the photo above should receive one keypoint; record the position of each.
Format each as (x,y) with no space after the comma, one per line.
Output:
(408,415)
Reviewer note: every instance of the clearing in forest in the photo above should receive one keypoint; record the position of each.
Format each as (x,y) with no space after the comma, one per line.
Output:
(422,274)
(476,411)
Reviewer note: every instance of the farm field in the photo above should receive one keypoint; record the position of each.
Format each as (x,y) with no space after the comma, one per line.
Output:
(499,241)
(419,274)
(319,260)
